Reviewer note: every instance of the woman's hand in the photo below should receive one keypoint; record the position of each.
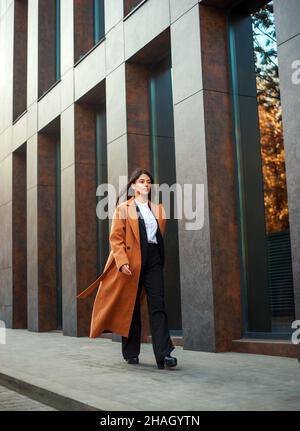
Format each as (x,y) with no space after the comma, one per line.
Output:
(125,269)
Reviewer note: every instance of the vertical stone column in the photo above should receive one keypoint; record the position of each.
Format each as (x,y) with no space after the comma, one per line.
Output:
(32,233)
(6,293)
(288,40)
(68,221)
(41,231)
(32,173)
(116,126)
(209,265)
(75,313)
(85,212)
(115,93)
(6,129)
(117,159)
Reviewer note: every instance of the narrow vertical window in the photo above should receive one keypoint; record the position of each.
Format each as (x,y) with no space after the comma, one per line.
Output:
(264,217)
(89,26)
(98,20)
(20,58)
(19,238)
(48,45)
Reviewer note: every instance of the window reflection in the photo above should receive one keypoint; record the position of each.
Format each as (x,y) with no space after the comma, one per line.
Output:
(266,261)
(270,120)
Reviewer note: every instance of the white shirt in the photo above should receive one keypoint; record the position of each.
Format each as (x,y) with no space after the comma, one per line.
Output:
(150,220)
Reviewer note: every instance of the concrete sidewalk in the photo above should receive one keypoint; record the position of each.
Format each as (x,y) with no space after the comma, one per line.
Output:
(72,373)
(12,401)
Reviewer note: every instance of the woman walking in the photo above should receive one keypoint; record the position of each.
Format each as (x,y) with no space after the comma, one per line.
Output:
(135,262)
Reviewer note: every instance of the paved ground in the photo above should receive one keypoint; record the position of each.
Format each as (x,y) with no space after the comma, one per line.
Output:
(93,374)
(12,401)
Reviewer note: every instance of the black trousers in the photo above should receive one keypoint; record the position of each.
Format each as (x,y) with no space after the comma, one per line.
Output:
(153,279)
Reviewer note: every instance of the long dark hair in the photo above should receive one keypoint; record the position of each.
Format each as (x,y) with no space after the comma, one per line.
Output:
(132,179)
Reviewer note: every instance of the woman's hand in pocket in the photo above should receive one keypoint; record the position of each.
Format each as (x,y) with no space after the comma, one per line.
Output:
(125,269)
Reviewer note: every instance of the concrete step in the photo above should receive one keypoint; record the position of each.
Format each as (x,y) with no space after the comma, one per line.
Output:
(43,395)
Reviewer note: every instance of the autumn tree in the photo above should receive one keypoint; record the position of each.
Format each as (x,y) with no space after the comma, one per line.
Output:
(270,119)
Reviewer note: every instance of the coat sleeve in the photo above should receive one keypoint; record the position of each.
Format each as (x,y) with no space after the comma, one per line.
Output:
(117,238)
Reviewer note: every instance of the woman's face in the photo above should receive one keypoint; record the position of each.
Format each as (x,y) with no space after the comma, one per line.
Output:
(142,185)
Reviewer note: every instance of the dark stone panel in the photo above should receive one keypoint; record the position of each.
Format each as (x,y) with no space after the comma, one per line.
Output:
(95,96)
(46,48)
(46,160)
(137,98)
(220,155)
(86,239)
(86,218)
(129,5)
(47,247)
(84,134)
(20,58)
(223,219)
(214,49)
(138,116)
(154,51)
(19,244)
(47,276)
(138,147)
(83,27)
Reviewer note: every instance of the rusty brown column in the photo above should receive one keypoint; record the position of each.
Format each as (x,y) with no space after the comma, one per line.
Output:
(19,240)
(209,257)
(220,151)
(42,309)
(85,212)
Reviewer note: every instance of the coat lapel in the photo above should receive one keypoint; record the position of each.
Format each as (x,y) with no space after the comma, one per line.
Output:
(133,217)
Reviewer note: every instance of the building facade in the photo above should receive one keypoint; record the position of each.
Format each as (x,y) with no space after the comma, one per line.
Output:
(199,92)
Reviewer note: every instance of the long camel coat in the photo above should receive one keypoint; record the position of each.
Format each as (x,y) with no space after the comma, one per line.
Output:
(116,296)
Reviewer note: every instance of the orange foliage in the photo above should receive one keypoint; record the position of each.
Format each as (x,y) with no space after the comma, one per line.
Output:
(273,166)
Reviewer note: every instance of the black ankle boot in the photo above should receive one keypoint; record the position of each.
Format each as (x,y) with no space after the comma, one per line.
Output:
(168,361)
(133,360)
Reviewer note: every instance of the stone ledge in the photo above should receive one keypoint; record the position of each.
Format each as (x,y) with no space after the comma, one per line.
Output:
(265,347)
